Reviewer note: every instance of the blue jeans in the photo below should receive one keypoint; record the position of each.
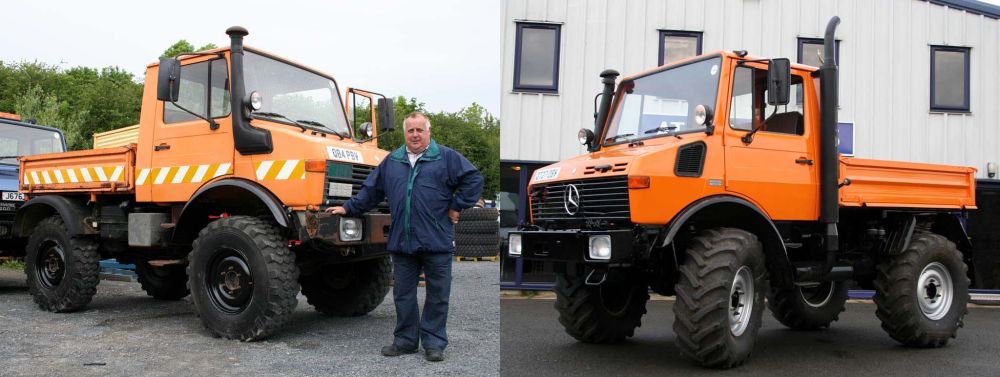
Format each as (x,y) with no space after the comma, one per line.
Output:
(409,323)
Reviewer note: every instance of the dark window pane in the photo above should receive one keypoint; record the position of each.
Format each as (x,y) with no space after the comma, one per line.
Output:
(538,55)
(949,79)
(192,94)
(676,47)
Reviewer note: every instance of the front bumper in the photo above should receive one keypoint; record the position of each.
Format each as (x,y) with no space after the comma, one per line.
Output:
(572,246)
(325,228)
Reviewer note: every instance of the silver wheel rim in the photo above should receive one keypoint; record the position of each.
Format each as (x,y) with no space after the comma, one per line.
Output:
(741,296)
(935,291)
(817,296)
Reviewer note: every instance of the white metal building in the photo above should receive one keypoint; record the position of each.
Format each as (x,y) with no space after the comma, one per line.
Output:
(919,79)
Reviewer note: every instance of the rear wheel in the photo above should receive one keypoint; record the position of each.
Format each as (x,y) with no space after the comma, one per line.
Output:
(808,308)
(720,297)
(605,313)
(348,289)
(921,293)
(63,271)
(243,278)
(164,283)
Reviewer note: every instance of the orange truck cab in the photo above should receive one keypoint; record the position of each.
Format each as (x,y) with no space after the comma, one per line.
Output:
(717,180)
(239,151)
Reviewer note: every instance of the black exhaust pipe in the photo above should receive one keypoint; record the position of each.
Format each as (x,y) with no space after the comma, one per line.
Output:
(608,79)
(247,139)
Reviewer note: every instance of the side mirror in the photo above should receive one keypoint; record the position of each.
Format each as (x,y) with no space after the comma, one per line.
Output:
(386,115)
(779,81)
(168,81)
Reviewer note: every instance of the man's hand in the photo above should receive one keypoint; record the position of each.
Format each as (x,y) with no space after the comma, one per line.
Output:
(338,210)
(453,214)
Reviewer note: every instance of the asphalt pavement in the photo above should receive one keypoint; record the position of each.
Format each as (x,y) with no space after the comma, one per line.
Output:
(534,344)
(123,332)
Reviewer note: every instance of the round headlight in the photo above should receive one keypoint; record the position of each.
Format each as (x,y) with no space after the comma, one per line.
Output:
(702,115)
(585,136)
(256,101)
(366,127)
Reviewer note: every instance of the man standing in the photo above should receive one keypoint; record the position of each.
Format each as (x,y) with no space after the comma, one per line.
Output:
(426,185)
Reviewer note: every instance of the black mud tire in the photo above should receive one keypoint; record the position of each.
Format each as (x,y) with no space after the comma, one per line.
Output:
(257,284)
(348,289)
(162,283)
(479,214)
(491,239)
(477,251)
(808,308)
(62,271)
(477,227)
(898,292)
(706,289)
(603,314)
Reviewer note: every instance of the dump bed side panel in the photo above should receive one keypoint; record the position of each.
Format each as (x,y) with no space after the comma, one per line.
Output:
(894,184)
(93,171)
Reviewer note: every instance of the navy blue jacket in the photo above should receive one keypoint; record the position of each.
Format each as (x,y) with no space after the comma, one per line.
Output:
(419,197)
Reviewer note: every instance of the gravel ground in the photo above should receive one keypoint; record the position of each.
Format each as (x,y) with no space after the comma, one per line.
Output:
(124,332)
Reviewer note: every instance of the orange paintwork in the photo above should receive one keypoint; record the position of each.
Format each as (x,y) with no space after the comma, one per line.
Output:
(98,170)
(765,172)
(198,155)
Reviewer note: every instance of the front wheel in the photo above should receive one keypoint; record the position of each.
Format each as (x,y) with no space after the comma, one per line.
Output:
(243,278)
(808,307)
(921,293)
(605,313)
(348,289)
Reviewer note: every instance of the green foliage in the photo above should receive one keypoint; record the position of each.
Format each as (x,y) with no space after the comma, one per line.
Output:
(184,47)
(45,109)
(13,264)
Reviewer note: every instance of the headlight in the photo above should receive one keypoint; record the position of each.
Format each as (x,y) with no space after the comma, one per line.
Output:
(702,115)
(514,245)
(350,229)
(585,136)
(600,247)
(256,101)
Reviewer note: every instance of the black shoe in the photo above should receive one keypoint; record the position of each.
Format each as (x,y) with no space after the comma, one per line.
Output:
(393,350)
(434,355)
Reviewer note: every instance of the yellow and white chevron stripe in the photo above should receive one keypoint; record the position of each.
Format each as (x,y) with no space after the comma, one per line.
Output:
(181,174)
(280,170)
(75,175)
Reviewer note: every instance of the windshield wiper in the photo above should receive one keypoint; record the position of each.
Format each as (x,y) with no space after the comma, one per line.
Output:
(318,124)
(616,137)
(660,129)
(276,115)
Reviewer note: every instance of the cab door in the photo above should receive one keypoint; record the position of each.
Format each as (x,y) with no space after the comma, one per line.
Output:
(189,151)
(777,166)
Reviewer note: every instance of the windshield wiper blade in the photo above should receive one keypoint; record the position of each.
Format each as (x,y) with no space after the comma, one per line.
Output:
(660,129)
(318,124)
(616,137)
(276,115)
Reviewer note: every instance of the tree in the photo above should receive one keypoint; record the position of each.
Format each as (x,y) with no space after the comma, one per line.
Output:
(184,47)
(46,109)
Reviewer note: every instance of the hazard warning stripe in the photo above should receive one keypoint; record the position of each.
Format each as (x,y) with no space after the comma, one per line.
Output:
(181,174)
(88,174)
(280,170)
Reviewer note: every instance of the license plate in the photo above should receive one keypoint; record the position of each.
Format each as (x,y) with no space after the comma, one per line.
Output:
(340,190)
(546,174)
(341,154)
(12,196)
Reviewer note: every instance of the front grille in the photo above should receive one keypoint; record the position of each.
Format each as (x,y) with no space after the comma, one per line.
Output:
(339,172)
(601,199)
(7,211)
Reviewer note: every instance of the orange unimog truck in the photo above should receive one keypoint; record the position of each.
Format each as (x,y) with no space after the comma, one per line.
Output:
(717,180)
(238,154)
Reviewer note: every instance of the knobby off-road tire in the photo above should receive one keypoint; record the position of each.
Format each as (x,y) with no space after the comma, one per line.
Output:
(606,313)
(474,214)
(720,297)
(163,283)
(921,293)
(808,308)
(63,271)
(242,277)
(348,289)
(477,227)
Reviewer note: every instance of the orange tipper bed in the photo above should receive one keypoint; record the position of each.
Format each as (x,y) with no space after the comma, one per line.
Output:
(97,170)
(878,183)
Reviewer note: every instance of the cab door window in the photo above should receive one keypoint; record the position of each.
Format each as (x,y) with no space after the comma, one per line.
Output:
(204,90)
(749,109)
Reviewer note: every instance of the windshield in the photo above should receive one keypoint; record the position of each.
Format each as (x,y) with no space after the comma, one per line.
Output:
(295,93)
(25,141)
(664,101)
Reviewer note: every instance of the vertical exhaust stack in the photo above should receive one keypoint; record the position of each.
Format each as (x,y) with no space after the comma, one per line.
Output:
(247,139)
(608,79)
(829,166)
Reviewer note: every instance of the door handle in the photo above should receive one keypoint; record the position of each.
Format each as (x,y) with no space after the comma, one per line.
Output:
(161,147)
(803,160)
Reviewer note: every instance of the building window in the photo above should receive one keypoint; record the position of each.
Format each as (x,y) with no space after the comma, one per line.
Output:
(811,51)
(536,58)
(949,79)
(676,45)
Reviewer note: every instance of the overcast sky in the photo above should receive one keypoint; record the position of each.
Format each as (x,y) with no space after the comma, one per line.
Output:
(446,53)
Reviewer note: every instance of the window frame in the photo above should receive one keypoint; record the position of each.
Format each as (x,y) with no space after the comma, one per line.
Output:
(208,93)
(967,102)
(804,40)
(518,87)
(663,33)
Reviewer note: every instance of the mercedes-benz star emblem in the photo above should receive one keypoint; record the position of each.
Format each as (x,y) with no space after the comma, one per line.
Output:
(571,200)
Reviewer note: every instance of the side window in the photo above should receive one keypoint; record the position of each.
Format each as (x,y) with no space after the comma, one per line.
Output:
(749,110)
(204,90)
(741,110)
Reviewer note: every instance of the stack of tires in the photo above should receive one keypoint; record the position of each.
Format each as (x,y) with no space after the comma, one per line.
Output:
(477,233)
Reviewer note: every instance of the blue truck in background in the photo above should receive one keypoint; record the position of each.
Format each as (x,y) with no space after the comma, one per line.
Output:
(19,139)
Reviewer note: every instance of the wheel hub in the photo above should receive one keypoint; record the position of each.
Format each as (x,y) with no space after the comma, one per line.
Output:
(229,281)
(50,265)
(935,291)
(741,301)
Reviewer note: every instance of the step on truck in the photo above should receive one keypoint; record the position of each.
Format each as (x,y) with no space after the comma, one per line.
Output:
(717,180)
(19,139)
(239,151)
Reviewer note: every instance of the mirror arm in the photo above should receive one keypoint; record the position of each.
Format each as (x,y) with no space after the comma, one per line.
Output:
(211,122)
